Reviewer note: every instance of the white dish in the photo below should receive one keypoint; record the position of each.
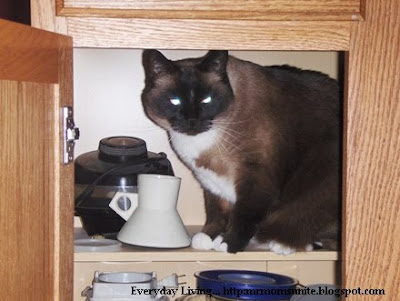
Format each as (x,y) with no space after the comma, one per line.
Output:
(96,245)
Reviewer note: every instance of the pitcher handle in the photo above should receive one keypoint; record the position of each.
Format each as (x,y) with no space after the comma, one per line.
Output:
(124,197)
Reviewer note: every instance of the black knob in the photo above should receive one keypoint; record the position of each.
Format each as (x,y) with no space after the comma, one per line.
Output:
(122,149)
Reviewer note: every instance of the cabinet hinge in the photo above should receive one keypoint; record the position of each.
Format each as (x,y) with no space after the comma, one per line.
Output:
(71,133)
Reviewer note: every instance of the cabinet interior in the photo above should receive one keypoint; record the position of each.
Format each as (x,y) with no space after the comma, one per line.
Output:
(107,88)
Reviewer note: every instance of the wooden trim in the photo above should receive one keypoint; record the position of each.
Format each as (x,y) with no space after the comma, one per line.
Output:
(59,7)
(209,34)
(205,15)
(64,197)
(363,5)
(372,179)
(345,162)
(273,10)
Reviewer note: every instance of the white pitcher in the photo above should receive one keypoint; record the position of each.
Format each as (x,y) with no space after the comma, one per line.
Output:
(152,219)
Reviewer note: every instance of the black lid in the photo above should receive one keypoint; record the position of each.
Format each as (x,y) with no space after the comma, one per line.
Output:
(122,149)
(118,161)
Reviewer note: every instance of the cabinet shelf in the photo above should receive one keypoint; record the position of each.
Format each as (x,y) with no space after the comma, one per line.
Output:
(133,253)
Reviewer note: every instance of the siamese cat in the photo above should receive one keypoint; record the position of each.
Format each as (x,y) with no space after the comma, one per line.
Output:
(262,141)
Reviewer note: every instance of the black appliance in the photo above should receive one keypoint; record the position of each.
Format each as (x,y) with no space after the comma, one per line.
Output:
(112,168)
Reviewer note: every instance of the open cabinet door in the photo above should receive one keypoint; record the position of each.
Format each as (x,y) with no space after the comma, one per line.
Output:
(36,201)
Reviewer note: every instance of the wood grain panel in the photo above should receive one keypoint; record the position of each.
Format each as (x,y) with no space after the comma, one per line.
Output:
(372,170)
(23,51)
(36,214)
(43,15)
(209,9)
(26,182)
(208,34)
(271,5)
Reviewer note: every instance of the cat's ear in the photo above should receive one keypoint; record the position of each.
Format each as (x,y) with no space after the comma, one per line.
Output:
(215,61)
(155,63)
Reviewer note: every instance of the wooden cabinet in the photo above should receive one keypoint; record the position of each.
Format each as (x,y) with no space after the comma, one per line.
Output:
(36,204)
(371,183)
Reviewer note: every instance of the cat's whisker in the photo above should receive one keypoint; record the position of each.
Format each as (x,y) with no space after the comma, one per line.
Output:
(142,130)
(229,122)
(221,144)
(171,139)
(239,135)
(224,130)
(233,136)
(219,150)
(229,143)
(242,134)
(232,133)
(235,133)
(224,144)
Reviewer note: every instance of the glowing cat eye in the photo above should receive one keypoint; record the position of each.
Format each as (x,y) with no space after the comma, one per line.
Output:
(175,101)
(206,100)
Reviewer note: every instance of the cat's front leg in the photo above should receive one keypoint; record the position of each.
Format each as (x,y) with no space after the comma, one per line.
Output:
(253,200)
(217,218)
(242,229)
(217,214)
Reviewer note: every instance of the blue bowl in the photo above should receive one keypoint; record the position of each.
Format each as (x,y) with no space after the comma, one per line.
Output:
(246,285)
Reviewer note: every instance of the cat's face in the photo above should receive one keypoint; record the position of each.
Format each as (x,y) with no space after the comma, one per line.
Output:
(186,96)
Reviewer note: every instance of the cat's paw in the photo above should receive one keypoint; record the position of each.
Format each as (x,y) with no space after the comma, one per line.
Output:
(309,248)
(279,248)
(202,241)
(234,242)
(219,244)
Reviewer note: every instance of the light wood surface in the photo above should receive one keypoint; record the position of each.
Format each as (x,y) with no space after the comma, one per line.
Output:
(26,203)
(36,211)
(372,148)
(217,10)
(208,34)
(129,254)
(23,51)
(43,16)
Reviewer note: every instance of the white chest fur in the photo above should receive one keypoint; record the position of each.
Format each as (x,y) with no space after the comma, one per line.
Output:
(189,148)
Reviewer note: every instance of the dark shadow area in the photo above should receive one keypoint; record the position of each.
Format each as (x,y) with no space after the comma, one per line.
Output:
(16,10)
